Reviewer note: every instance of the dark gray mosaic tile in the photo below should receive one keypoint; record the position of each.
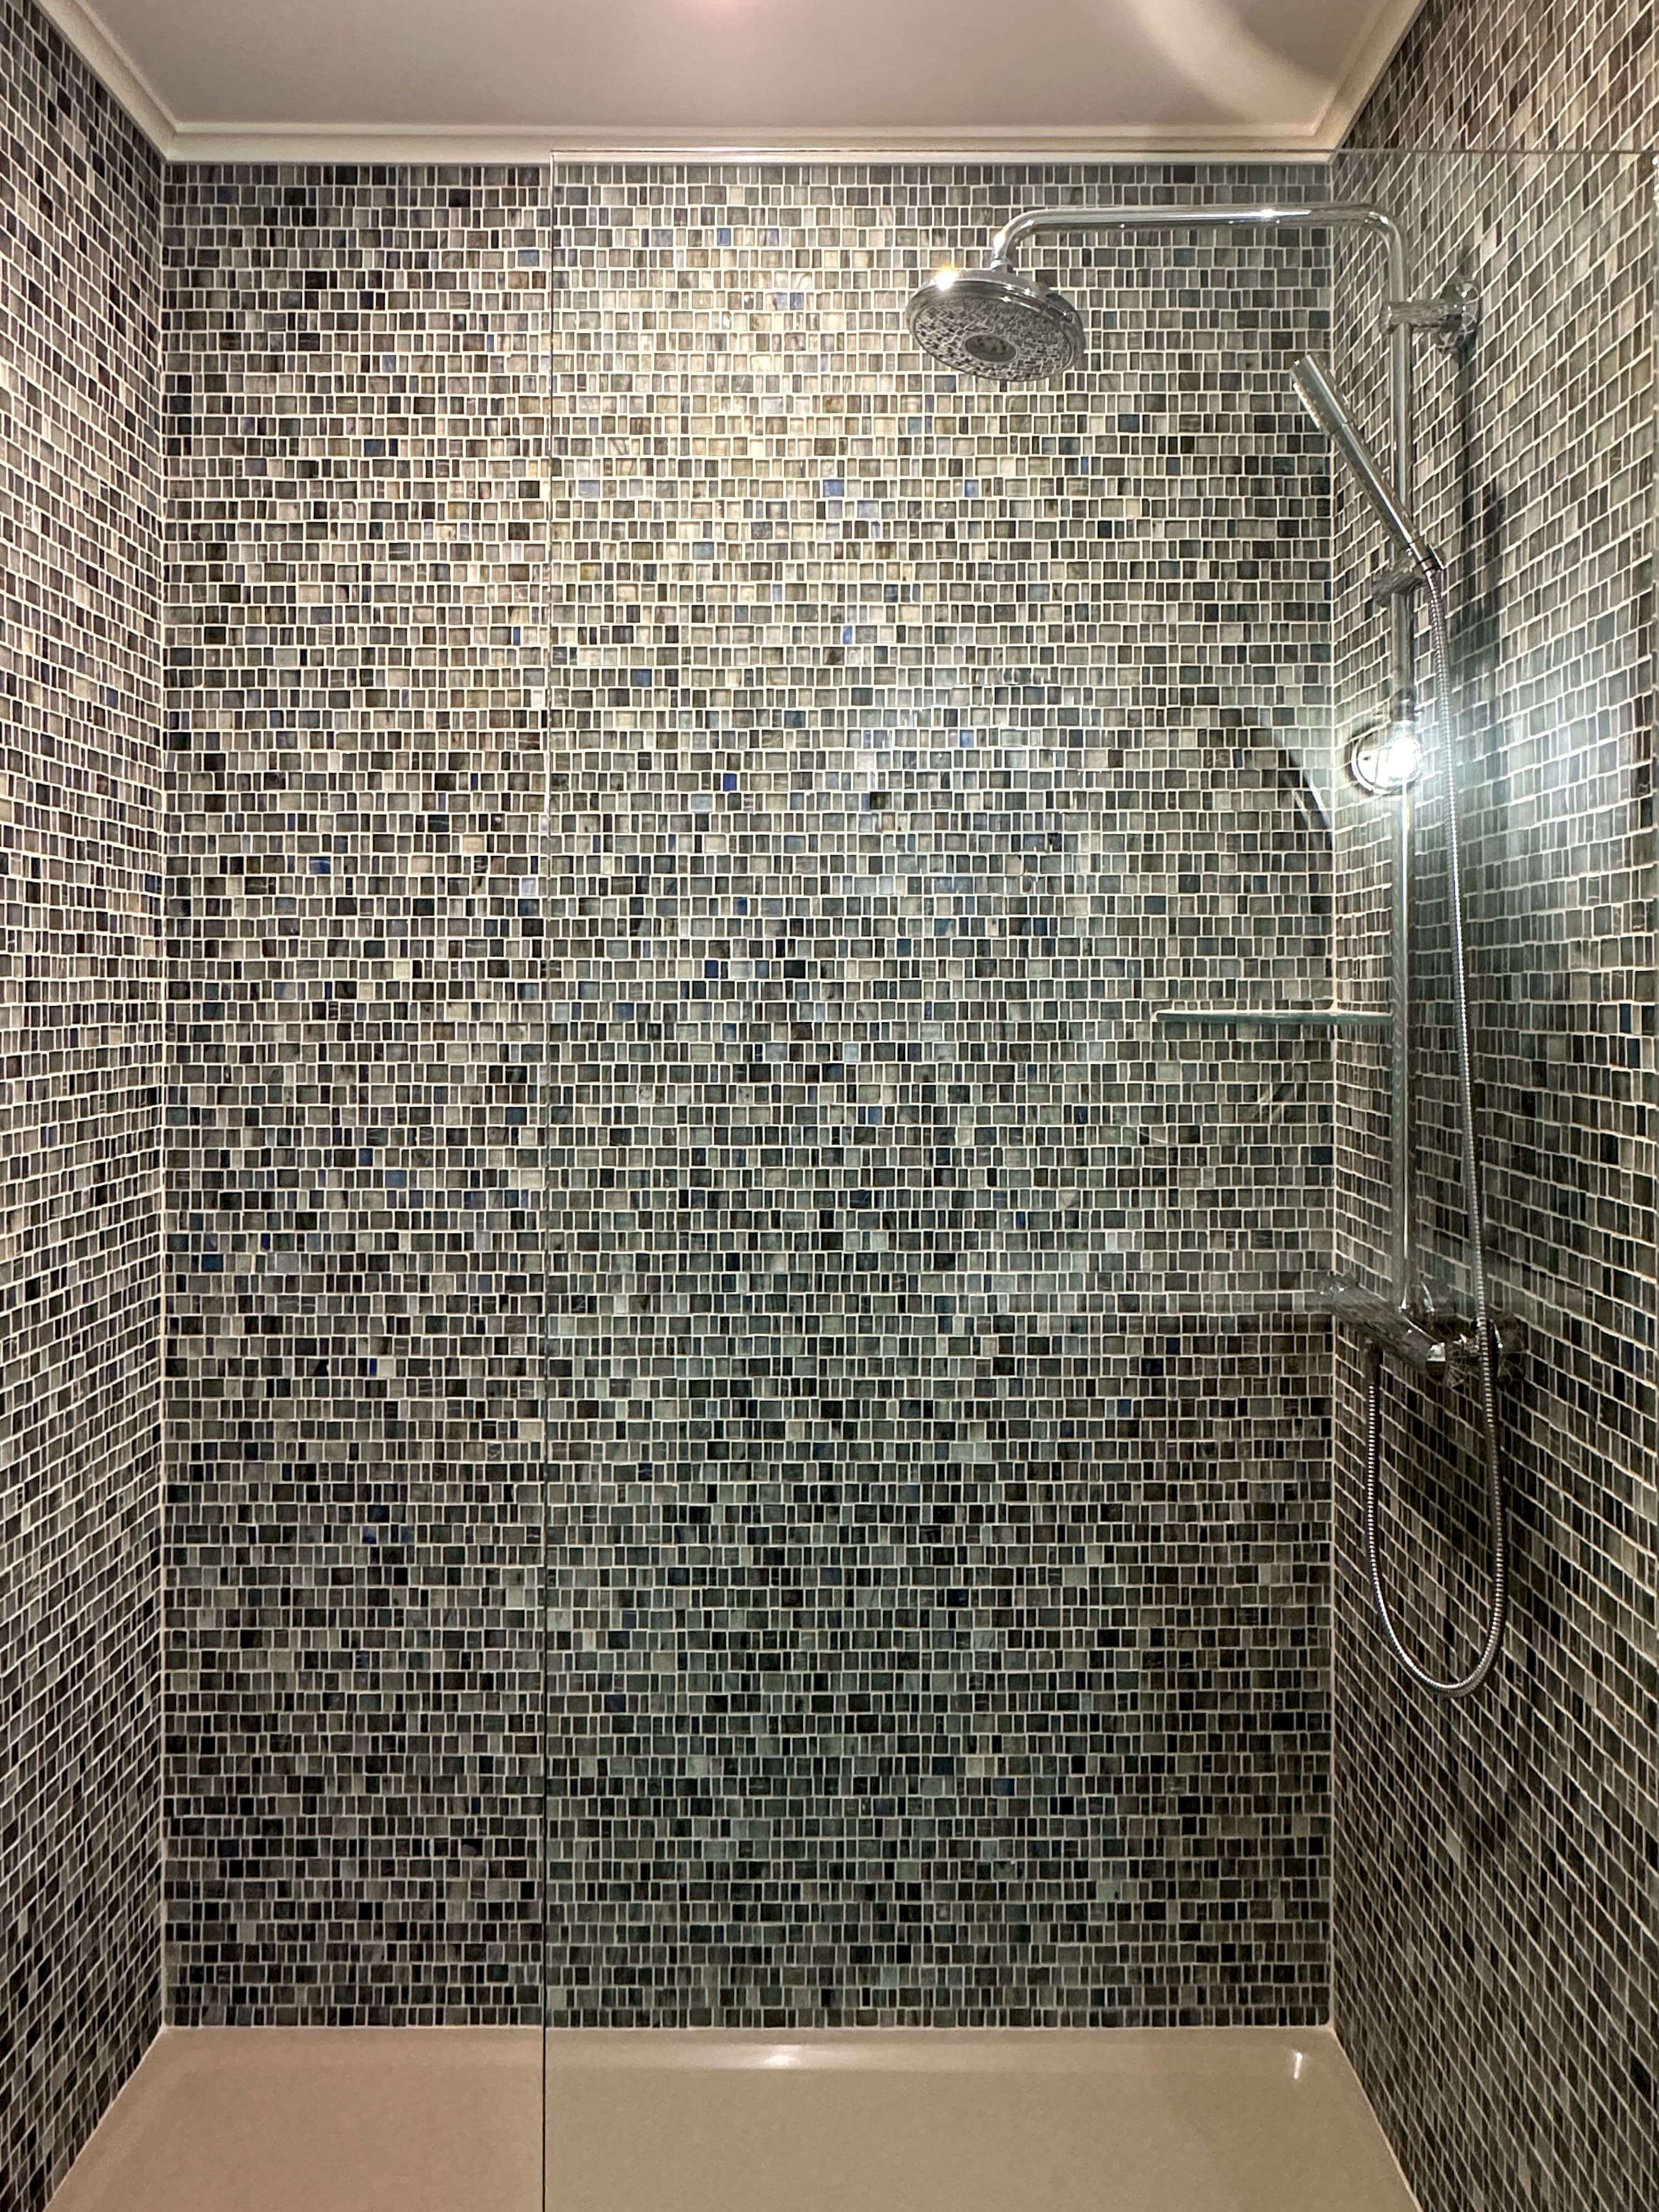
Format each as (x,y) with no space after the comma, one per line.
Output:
(990,1688)
(1526,74)
(769,680)
(937,1578)
(354,424)
(81,1009)
(1495,1943)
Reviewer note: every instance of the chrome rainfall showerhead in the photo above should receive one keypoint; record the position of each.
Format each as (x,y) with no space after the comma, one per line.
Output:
(991,323)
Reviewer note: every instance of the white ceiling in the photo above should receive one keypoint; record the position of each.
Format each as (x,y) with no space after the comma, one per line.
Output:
(510,79)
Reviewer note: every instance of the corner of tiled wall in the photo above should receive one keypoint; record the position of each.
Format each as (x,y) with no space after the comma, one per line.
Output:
(81,1005)
(1495,1953)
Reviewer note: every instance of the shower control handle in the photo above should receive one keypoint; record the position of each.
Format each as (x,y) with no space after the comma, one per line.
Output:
(1435,1348)
(1426,1353)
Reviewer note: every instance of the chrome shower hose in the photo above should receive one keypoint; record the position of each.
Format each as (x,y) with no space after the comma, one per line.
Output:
(1486,1343)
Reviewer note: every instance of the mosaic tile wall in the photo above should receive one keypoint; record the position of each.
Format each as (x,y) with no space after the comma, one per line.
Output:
(82,1006)
(937,1468)
(1496,1946)
(1519,75)
(806,688)
(935,1452)
(353,383)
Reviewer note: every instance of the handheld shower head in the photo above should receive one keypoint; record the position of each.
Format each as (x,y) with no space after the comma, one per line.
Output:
(993,324)
(1325,404)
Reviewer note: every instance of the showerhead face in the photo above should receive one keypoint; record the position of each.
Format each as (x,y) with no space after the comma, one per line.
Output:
(991,323)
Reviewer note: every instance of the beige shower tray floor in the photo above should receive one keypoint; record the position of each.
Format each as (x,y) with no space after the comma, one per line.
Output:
(449,2120)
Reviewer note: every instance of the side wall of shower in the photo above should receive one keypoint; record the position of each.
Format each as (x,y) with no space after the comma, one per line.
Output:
(1496,1955)
(82,1005)
(937,1465)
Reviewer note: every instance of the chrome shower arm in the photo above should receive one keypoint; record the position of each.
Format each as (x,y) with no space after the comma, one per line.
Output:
(1358,214)
(1350,215)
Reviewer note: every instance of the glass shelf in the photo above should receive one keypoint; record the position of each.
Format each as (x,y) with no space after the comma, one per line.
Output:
(1280,1018)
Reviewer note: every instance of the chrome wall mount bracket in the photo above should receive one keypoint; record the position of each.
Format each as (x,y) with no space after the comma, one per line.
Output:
(1393,582)
(1439,1346)
(1451,318)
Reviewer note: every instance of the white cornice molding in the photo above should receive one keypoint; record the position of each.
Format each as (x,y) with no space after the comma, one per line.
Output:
(1376,50)
(439,145)
(120,76)
(989,143)
(193,142)
(317,146)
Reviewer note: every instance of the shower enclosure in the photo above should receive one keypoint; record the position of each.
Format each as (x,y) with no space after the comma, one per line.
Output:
(785,1251)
